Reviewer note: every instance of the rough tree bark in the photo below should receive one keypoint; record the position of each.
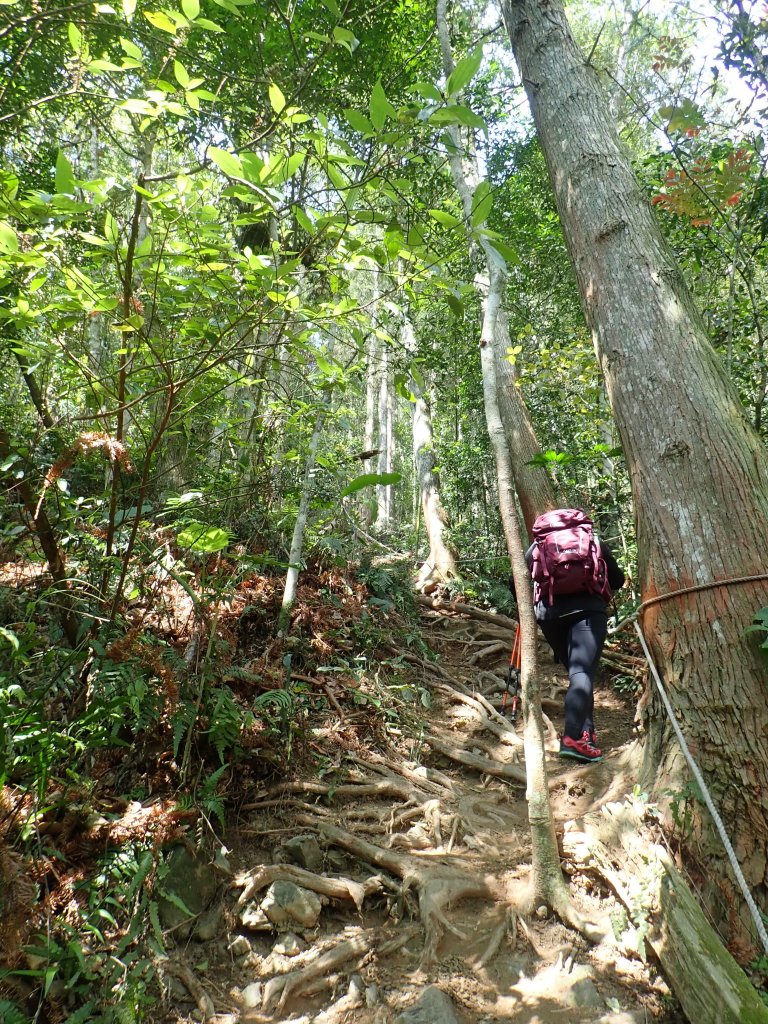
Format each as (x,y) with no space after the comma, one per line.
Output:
(699,473)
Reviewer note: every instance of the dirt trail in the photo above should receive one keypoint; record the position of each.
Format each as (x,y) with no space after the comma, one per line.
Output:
(414,863)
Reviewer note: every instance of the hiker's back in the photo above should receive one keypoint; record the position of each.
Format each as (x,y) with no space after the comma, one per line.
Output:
(566,557)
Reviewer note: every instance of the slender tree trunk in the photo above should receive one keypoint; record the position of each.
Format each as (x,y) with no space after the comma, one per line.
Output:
(535,490)
(383,492)
(299,527)
(371,389)
(547,882)
(699,473)
(534,487)
(441,560)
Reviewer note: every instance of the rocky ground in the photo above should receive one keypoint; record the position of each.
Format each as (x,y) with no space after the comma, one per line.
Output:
(381,883)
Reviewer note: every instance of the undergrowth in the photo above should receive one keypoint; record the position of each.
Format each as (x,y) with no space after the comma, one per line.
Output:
(113,754)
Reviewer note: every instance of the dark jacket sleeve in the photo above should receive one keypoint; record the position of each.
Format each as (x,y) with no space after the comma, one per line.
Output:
(616,575)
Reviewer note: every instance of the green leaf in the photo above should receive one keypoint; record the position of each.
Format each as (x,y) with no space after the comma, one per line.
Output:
(380,107)
(191,8)
(482,203)
(226,161)
(181,74)
(12,639)
(161,21)
(276,98)
(129,9)
(506,251)
(345,38)
(683,116)
(464,72)
(370,480)
(65,176)
(76,40)
(209,26)
(445,218)
(202,539)
(8,240)
(358,121)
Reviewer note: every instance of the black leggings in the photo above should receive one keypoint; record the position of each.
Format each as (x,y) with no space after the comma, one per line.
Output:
(577,644)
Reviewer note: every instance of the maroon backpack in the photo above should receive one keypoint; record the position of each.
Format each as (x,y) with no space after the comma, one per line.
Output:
(566,557)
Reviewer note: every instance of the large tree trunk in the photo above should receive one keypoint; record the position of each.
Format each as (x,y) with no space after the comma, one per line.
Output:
(699,473)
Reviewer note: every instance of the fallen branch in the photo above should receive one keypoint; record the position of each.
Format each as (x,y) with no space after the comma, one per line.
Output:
(184,974)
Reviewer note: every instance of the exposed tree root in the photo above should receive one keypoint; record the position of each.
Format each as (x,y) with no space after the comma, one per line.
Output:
(387,787)
(282,987)
(466,609)
(185,975)
(337,888)
(480,764)
(438,886)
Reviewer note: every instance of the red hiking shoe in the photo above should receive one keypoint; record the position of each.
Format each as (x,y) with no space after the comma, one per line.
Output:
(580,750)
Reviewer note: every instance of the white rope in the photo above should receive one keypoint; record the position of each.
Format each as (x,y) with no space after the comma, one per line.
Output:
(753,909)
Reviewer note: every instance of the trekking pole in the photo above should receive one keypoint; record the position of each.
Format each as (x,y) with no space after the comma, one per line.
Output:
(512,688)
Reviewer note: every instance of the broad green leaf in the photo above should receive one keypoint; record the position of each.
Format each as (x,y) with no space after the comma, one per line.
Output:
(380,107)
(161,21)
(506,251)
(346,38)
(202,539)
(686,115)
(445,218)
(181,74)
(358,121)
(482,203)
(428,91)
(464,72)
(191,8)
(130,48)
(105,65)
(111,230)
(228,162)
(371,480)
(276,98)
(252,167)
(76,40)
(129,8)
(304,220)
(209,26)
(8,240)
(65,176)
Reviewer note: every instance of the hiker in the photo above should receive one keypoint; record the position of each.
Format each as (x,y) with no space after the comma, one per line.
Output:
(574,577)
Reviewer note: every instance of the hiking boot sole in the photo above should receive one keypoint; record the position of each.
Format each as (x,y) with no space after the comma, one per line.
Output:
(579,757)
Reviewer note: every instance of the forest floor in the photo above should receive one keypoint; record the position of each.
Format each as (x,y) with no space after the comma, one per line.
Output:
(429,857)
(377,847)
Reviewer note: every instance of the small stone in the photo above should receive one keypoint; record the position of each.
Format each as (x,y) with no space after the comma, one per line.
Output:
(304,851)
(432,1007)
(336,861)
(208,925)
(289,945)
(584,993)
(190,880)
(286,904)
(371,996)
(239,946)
(254,918)
(541,912)
(250,997)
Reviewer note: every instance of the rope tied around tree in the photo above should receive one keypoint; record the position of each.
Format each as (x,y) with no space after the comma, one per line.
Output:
(695,770)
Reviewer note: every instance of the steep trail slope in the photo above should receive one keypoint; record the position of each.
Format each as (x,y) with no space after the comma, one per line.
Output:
(393,863)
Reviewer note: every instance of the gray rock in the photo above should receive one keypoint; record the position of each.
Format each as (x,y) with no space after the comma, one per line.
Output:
(371,996)
(289,945)
(583,993)
(304,851)
(287,905)
(254,918)
(208,924)
(239,946)
(192,880)
(432,1007)
(250,997)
